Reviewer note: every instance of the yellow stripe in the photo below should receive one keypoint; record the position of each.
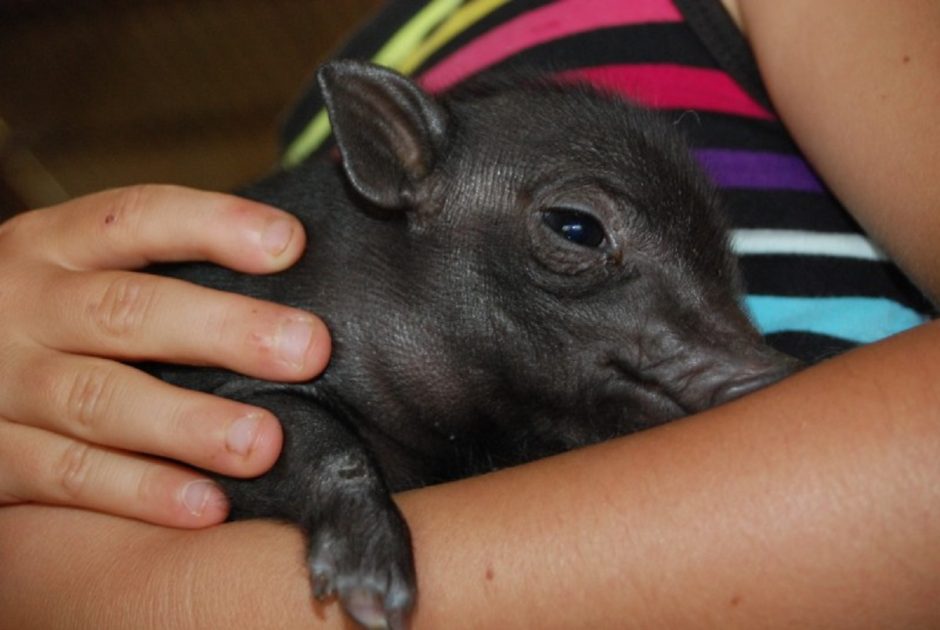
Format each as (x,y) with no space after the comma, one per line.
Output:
(414,32)
(405,52)
(401,44)
(307,141)
(460,21)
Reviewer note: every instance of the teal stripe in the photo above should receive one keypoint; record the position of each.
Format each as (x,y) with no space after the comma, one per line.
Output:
(858,319)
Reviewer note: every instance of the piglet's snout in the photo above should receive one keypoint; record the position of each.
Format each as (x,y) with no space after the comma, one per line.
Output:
(727,378)
(748,383)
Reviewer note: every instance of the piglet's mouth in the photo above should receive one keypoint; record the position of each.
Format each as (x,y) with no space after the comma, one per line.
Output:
(648,402)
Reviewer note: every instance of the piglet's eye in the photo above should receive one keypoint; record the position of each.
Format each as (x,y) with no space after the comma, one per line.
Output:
(576,226)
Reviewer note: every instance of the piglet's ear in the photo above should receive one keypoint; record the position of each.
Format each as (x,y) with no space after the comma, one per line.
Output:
(388,130)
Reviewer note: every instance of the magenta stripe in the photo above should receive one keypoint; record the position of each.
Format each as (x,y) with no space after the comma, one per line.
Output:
(559,19)
(669,86)
(737,168)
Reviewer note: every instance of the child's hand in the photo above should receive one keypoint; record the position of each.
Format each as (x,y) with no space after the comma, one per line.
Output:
(74,421)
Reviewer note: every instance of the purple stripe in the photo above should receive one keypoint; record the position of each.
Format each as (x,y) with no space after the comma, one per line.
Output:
(733,168)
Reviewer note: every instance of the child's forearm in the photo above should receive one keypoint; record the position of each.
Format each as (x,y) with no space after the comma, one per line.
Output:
(811,504)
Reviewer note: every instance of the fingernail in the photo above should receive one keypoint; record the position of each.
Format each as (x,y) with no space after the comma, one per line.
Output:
(293,340)
(277,237)
(242,434)
(198,495)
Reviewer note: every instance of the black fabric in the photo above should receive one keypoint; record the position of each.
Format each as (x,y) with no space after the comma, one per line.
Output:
(718,32)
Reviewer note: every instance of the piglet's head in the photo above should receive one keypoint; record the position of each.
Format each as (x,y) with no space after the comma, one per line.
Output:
(567,263)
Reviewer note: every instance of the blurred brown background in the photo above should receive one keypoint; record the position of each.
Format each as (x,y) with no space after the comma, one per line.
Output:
(95,94)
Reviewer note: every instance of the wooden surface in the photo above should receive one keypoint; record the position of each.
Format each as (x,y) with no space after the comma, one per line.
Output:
(95,94)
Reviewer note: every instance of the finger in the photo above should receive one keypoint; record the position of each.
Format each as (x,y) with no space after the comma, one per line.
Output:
(132,227)
(131,316)
(107,403)
(43,467)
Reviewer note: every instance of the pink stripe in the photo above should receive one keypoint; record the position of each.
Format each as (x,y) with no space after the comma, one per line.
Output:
(668,86)
(559,19)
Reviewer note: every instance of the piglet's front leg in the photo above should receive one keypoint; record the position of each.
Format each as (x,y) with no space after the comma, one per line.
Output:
(360,547)
(327,483)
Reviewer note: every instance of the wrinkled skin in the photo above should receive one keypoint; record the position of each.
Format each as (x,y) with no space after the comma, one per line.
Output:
(510,272)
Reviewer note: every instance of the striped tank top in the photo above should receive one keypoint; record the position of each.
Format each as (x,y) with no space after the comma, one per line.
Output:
(815,284)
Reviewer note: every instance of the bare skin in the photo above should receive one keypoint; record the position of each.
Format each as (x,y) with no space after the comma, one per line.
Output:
(813,503)
(856,83)
(72,418)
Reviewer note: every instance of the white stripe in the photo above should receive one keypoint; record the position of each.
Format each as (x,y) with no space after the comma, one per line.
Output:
(797,242)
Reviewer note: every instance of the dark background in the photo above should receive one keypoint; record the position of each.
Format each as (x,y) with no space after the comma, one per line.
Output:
(96,94)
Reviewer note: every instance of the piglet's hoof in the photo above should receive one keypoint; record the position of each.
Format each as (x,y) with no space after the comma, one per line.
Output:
(374,583)
(375,603)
